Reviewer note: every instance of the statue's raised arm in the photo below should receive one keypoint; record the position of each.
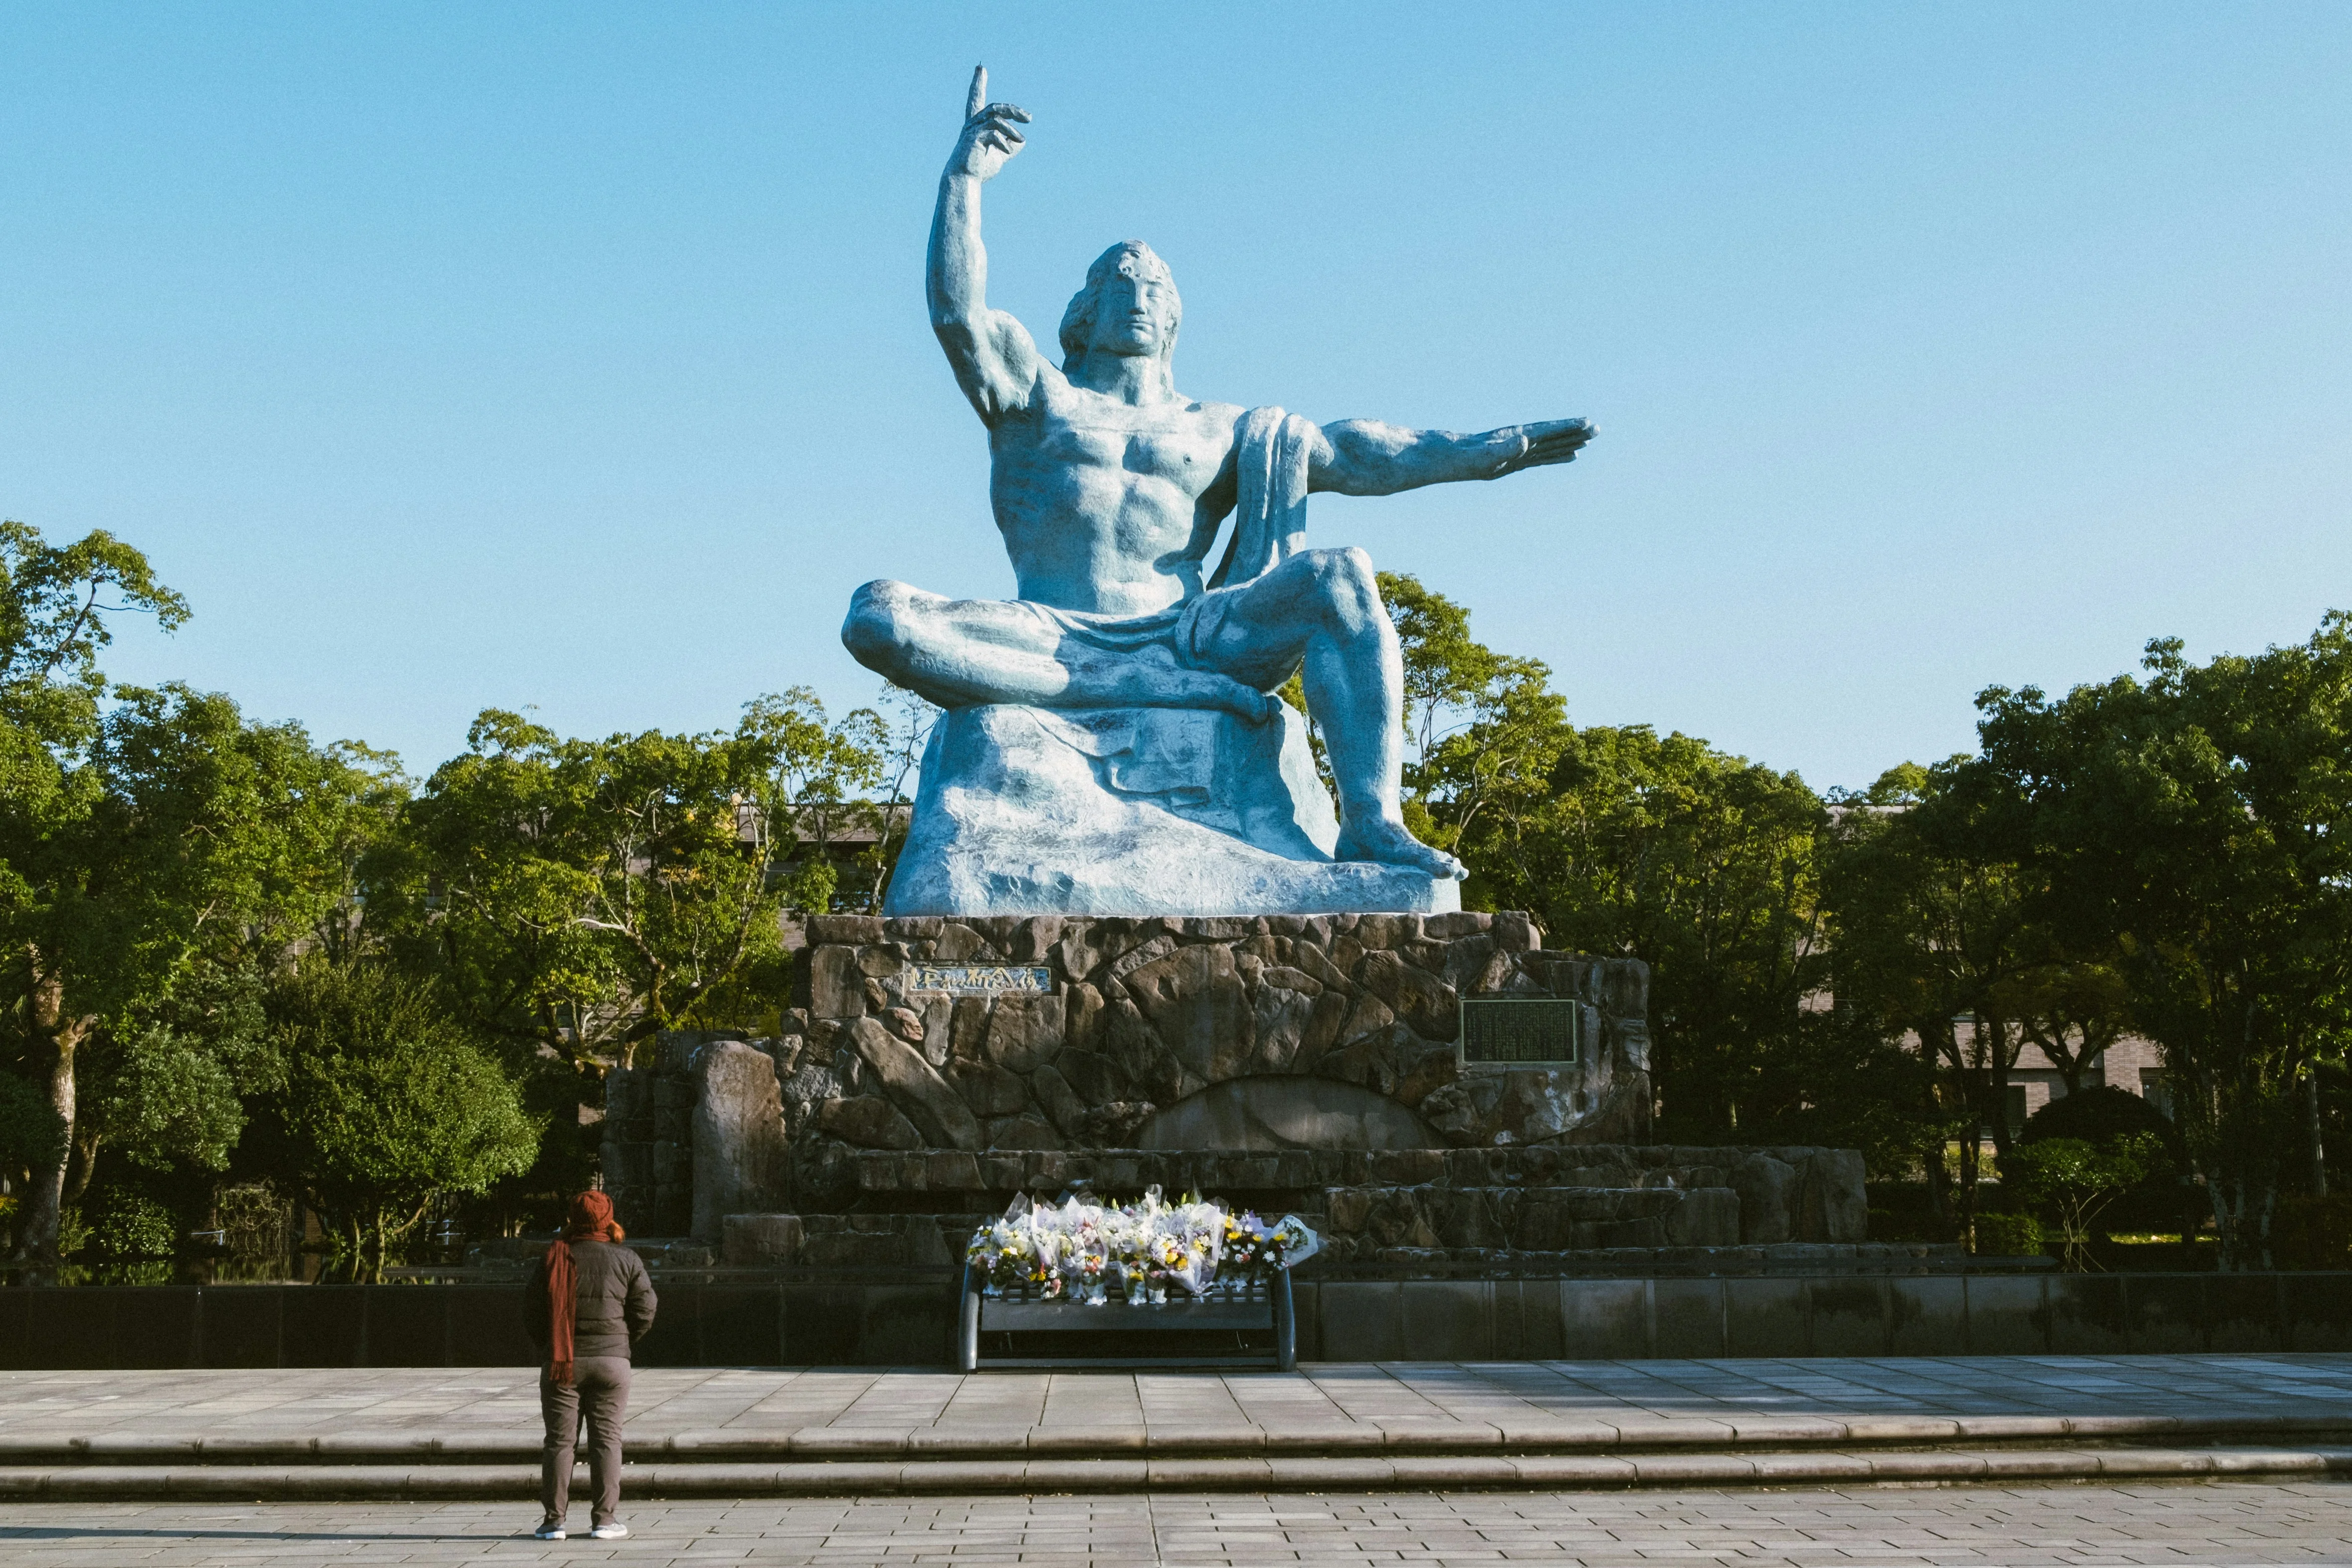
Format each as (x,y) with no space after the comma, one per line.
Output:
(995,359)
(1366,458)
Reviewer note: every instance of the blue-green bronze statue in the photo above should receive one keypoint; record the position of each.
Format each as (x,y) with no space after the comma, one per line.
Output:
(1113,745)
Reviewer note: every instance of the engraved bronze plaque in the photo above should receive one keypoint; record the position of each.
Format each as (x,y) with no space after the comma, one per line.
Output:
(1520,1031)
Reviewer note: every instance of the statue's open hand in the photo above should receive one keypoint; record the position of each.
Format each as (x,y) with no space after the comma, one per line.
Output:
(991,132)
(1551,441)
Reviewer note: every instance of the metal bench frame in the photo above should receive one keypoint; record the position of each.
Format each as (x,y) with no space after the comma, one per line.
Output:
(1261,1304)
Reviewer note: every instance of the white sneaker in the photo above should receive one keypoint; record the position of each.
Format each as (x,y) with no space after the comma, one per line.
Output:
(612,1532)
(549,1532)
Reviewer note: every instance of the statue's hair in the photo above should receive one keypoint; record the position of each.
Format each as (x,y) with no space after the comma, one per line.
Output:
(1078,320)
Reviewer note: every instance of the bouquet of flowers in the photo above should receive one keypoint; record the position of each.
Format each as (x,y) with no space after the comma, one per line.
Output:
(999,1254)
(1077,1248)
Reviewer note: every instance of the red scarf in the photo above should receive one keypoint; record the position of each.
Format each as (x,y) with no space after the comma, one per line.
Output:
(592,1220)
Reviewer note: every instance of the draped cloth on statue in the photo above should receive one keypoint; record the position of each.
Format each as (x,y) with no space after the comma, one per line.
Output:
(1270,459)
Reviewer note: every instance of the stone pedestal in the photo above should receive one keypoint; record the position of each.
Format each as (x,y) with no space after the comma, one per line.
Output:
(1262,1032)
(1134,812)
(934,1068)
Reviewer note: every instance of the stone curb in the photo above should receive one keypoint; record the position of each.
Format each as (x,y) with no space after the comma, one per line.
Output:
(1363,1473)
(988,1444)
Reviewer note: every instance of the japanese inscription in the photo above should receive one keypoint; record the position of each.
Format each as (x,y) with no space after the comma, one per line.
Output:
(980,979)
(1520,1031)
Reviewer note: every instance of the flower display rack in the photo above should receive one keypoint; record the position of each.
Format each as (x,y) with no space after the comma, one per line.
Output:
(1261,1303)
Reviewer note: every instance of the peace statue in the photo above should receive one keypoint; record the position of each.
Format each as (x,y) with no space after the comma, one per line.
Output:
(1112,745)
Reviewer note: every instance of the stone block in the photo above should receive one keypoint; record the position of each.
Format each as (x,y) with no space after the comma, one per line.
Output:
(869,1121)
(1603,1319)
(836,986)
(673,1163)
(1449,1320)
(1514,932)
(2317,1309)
(988,1088)
(1024,1032)
(935,1109)
(1689,1319)
(2163,1314)
(1026,1130)
(1707,1217)
(1034,939)
(1832,1206)
(849,929)
(956,943)
(1362,1320)
(761,1241)
(1417,997)
(1765,1188)
(740,1158)
(629,1101)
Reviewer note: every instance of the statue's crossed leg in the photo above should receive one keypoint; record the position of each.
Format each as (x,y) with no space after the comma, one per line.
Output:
(1228,650)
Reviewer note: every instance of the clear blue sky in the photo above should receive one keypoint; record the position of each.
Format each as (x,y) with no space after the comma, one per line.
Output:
(576,355)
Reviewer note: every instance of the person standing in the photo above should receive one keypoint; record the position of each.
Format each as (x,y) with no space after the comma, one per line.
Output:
(588,1303)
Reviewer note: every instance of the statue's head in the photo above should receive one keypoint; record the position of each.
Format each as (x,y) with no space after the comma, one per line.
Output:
(1128,306)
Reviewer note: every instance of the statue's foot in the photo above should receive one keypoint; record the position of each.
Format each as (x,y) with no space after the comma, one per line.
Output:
(1385,840)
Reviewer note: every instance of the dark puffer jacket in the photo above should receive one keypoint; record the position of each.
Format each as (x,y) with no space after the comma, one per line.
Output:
(612,1301)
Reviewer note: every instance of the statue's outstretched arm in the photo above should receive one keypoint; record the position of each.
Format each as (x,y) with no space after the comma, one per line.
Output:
(1366,458)
(994,358)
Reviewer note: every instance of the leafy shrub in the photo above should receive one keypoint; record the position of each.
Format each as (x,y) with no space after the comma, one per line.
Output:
(2008,1236)
(2097,1116)
(387,1101)
(2078,1180)
(133,1225)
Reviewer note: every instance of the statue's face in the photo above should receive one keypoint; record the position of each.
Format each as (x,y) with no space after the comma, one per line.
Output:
(1136,311)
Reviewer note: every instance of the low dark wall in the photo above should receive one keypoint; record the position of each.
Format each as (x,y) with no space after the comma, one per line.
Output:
(767,1323)
(1852,1315)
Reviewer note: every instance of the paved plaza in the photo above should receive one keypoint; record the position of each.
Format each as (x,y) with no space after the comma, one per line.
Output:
(1584,1462)
(2008,1528)
(1330,1406)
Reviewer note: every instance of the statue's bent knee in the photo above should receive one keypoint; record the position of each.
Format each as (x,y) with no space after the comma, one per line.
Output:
(1349,585)
(880,630)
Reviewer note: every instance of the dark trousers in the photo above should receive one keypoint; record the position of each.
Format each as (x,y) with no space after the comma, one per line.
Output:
(599,1394)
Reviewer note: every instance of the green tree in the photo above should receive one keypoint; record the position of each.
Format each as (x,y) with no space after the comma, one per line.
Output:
(2071,1009)
(386,1101)
(141,832)
(2078,1179)
(1621,841)
(1704,864)
(1929,928)
(1478,724)
(2193,819)
(585,895)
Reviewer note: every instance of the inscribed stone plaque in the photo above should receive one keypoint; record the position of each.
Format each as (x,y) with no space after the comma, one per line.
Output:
(1519,1031)
(979,979)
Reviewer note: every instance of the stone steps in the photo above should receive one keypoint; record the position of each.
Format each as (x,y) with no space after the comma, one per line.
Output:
(1635,1433)
(981,1458)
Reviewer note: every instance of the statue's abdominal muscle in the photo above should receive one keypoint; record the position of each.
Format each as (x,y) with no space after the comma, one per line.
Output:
(1095,536)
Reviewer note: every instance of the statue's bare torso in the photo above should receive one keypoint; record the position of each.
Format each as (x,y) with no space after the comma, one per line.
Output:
(1109,507)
